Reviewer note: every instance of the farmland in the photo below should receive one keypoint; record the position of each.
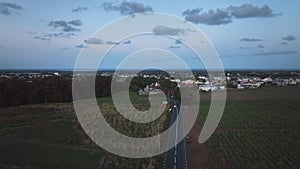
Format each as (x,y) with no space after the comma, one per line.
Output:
(259,129)
(49,136)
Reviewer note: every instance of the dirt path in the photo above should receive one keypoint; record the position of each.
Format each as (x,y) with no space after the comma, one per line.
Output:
(197,154)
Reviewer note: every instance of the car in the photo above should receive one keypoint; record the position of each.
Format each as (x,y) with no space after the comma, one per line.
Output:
(187,137)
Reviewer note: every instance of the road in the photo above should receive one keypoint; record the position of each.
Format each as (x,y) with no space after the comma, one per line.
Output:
(176,157)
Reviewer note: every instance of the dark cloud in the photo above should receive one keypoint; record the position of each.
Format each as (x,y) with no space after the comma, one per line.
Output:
(127,42)
(81,46)
(80,9)
(211,17)
(251,40)
(226,16)
(75,22)
(277,53)
(174,47)
(8,8)
(289,38)
(112,43)
(192,11)
(50,36)
(164,30)
(71,26)
(62,35)
(127,8)
(99,41)
(43,38)
(260,46)
(251,11)
(2,46)
(94,41)
(178,41)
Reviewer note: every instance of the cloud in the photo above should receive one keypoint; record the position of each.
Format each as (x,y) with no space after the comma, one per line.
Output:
(260,46)
(251,40)
(50,36)
(164,30)
(192,11)
(99,41)
(94,41)
(174,47)
(63,35)
(226,15)
(81,46)
(70,26)
(289,38)
(43,38)
(127,42)
(8,8)
(218,17)
(127,8)
(80,9)
(277,53)
(2,46)
(251,11)
(112,43)
(75,22)
(178,41)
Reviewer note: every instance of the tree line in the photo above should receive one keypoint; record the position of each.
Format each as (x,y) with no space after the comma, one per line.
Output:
(15,92)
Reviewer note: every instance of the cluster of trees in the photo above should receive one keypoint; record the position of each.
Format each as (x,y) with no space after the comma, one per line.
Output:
(16,92)
(48,90)
(59,89)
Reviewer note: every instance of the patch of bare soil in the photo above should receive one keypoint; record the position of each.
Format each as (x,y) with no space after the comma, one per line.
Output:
(197,154)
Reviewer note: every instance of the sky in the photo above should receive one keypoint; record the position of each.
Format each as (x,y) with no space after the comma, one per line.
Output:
(256,34)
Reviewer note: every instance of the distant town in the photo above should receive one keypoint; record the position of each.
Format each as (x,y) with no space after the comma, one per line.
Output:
(233,79)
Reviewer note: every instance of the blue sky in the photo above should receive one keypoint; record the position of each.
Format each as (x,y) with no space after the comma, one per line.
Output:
(246,34)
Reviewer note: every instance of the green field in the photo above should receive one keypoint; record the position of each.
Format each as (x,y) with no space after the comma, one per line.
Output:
(259,129)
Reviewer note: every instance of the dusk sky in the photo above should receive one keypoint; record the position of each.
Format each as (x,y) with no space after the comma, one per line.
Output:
(247,34)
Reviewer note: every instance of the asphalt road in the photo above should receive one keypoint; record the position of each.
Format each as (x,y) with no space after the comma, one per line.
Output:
(176,157)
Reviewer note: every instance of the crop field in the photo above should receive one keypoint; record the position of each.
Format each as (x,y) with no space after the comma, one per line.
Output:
(48,136)
(259,129)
